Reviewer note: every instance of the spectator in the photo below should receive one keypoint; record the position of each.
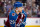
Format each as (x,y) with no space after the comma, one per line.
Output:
(1,6)
(34,12)
(38,12)
(8,8)
(28,13)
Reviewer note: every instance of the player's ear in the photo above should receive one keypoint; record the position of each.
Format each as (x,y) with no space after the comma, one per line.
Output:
(16,7)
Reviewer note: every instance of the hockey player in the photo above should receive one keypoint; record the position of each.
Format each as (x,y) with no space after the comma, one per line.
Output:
(17,17)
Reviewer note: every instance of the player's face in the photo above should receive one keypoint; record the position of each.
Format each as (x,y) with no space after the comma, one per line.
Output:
(20,9)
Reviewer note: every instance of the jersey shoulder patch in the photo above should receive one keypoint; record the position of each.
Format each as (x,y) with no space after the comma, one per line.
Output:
(13,14)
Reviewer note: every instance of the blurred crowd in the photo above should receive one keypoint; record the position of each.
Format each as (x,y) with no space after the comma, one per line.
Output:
(30,7)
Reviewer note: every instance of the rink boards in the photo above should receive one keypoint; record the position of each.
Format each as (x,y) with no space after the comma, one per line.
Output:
(30,22)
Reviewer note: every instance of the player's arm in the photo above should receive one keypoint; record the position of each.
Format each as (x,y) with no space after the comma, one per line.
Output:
(7,22)
(24,14)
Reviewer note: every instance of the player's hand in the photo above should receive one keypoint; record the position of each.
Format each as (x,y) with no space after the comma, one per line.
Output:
(19,22)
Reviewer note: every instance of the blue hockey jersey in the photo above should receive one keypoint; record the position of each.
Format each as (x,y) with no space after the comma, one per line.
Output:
(13,17)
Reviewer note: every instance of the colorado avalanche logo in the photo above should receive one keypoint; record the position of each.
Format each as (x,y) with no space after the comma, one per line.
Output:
(13,14)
